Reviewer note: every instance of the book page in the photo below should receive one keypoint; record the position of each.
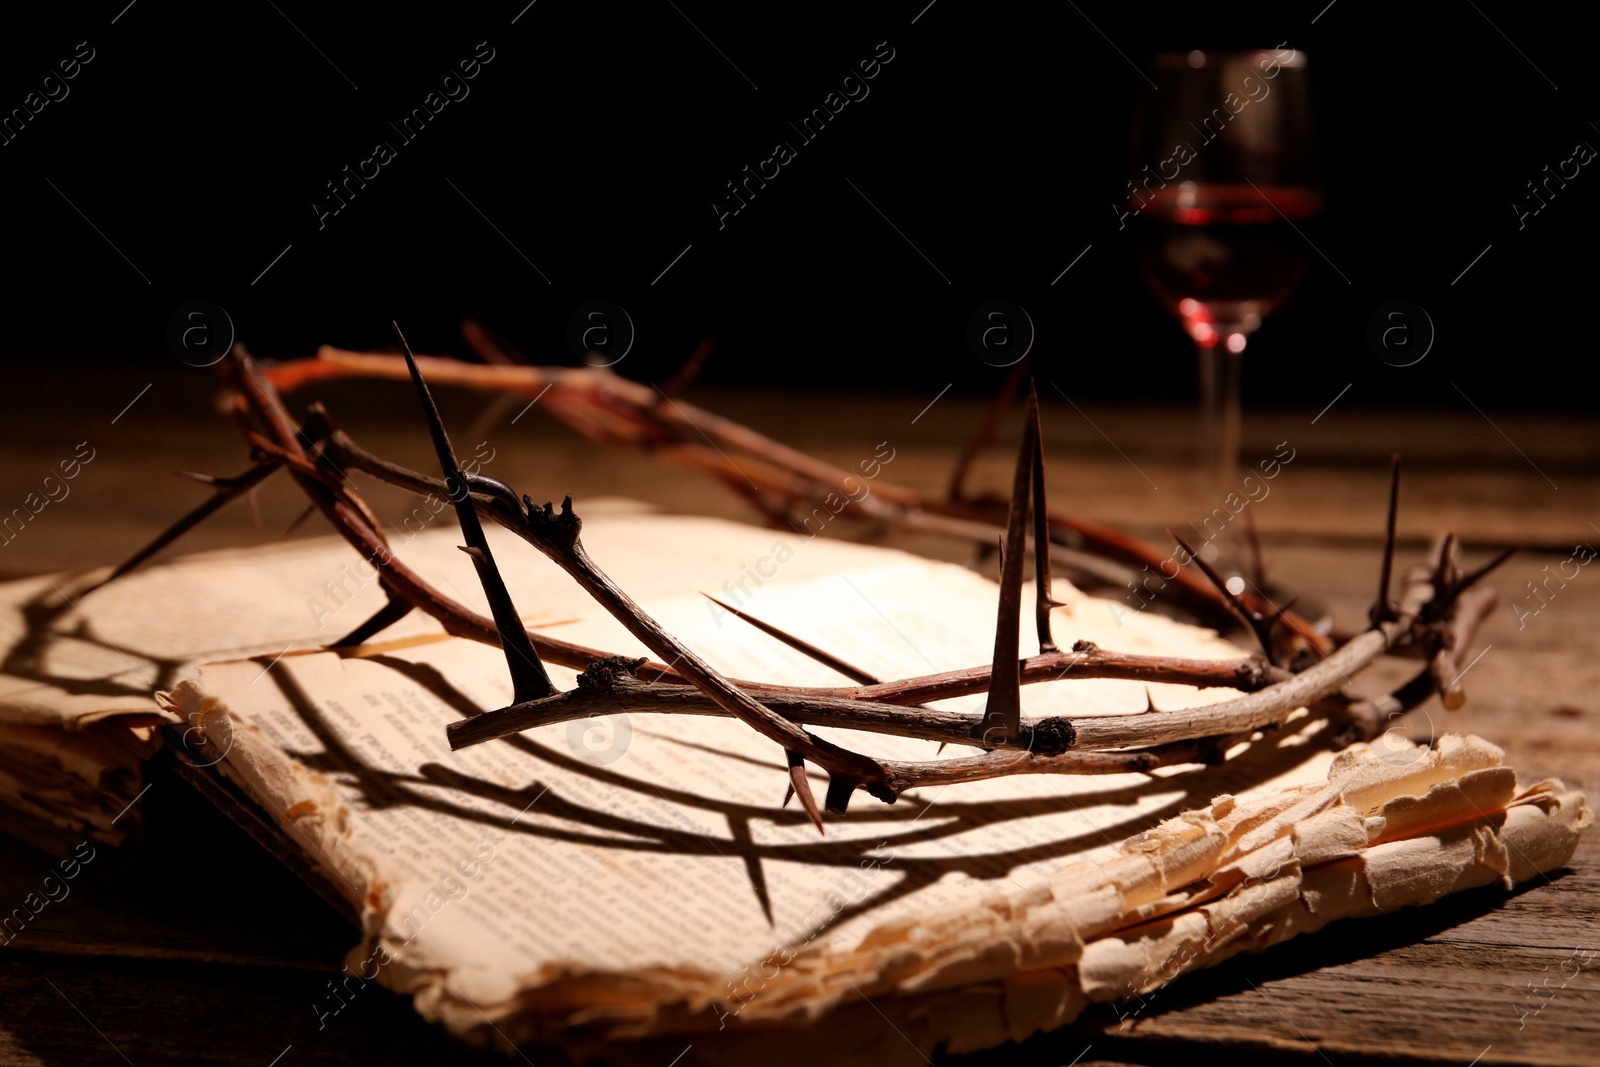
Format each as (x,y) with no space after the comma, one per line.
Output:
(637,878)
(633,868)
(74,652)
(80,662)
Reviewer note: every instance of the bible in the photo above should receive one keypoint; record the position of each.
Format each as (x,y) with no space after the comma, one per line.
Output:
(629,886)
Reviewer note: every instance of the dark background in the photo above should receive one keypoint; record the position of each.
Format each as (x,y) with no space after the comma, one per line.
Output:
(197,138)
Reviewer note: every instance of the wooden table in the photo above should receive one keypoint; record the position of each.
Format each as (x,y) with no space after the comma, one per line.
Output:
(201,950)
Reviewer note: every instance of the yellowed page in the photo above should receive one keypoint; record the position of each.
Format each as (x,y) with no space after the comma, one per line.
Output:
(75,654)
(635,877)
(635,869)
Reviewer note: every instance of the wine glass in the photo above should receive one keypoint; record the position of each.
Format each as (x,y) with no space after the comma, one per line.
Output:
(1221,176)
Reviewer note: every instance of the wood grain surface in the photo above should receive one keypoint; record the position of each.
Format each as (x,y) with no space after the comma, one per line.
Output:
(198,949)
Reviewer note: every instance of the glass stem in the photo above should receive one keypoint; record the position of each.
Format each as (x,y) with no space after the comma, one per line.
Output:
(1220,417)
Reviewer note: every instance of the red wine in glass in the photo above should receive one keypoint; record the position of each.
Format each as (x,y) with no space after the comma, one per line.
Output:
(1222,172)
(1221,257)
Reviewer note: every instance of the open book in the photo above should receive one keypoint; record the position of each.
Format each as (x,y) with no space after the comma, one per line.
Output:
(630,885)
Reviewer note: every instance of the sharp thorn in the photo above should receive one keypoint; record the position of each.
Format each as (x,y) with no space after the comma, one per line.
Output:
(690,370)
(802,788)
(1255,622)
(227,489)
(1444,566)
(490,345)
(855,674)
(986,430)
(1385,609)
(1043,601)
(1258,565)
(391,612)
(840,790)
(1474,576)
(528,678)
(1004,710)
